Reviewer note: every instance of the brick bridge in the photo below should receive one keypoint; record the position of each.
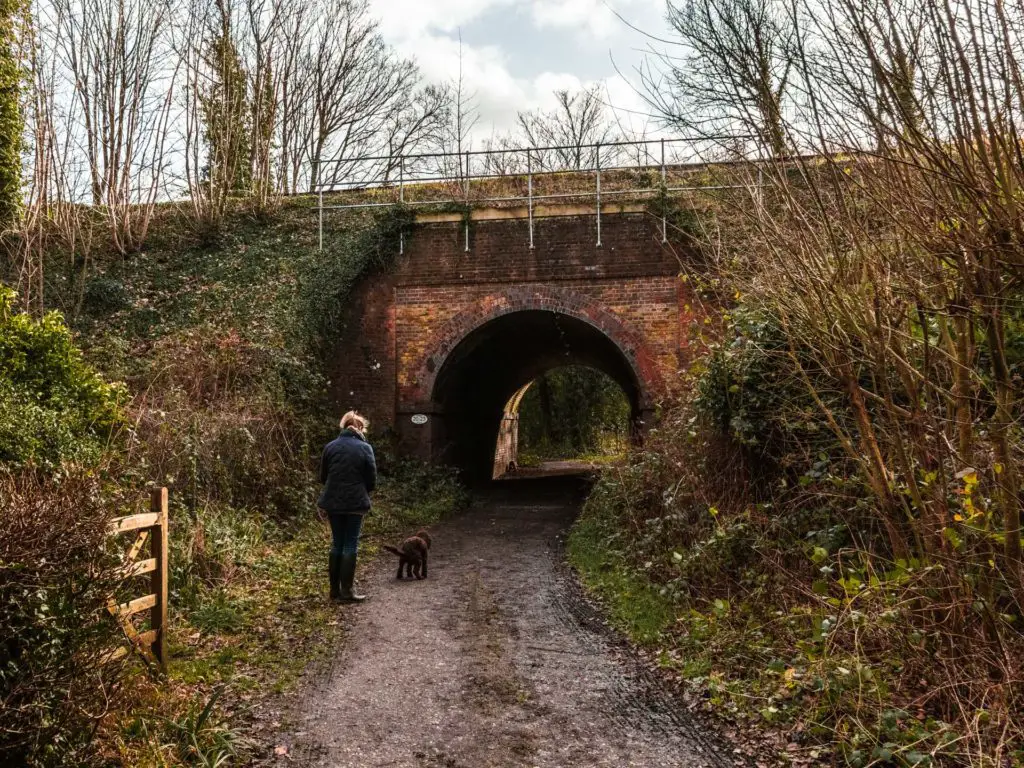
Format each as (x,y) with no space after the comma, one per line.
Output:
(435,349)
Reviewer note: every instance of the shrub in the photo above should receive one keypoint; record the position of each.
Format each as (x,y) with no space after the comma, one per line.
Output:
(414,493)
(749,517)
(104,296)
(55,577)
(53,406)
(751,391)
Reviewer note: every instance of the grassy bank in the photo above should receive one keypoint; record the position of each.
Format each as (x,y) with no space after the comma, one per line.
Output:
(198,363)
(768,591)
(634,604)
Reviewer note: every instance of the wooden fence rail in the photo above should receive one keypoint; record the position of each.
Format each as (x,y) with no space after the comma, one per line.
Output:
(151,527)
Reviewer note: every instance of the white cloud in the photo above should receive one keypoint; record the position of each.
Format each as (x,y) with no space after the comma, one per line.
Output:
(546,83)
(592,16)
(632,110)
(428,31)
(405,19)
(597,19)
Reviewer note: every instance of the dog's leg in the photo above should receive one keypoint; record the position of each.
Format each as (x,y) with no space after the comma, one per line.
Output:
(401,562)
(408,568)
(424,566)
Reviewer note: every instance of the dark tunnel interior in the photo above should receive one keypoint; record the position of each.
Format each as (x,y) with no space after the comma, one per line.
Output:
(492,362)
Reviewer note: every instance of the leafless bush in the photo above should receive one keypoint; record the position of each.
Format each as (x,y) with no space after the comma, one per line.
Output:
(55,576)
(890,260)
(209,423)
(577,123)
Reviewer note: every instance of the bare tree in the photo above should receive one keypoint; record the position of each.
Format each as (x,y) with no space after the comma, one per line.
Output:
(37,107)
(731,74)
(189,34)
(263,24)
(347,88)
(291,86)
(417,125)
(868,62)
(111,51)
(573,128)
(456,136)
(506,156)
(221,99)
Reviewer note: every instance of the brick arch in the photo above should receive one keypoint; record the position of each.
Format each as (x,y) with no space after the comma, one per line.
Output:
(559,300)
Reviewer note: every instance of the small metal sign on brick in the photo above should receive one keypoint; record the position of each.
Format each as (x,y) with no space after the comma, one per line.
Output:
(419,419)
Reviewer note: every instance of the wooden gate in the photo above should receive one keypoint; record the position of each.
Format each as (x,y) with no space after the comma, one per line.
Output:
(152,527)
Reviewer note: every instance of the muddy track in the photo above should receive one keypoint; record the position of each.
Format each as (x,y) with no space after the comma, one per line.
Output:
(497,659)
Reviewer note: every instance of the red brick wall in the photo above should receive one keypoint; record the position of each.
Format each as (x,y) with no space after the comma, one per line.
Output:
(402,325)
(641,315)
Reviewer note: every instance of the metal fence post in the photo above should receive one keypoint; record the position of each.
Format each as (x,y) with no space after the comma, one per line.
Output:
(320,206)
(466,250)
(597,151)
(664,192)
(529,191)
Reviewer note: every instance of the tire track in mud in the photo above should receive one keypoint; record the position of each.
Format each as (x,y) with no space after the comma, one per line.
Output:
(498,659)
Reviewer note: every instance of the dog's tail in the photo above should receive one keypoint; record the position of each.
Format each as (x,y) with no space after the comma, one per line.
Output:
(394,550)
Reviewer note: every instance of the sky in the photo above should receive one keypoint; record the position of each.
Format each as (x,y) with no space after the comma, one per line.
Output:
(515,53)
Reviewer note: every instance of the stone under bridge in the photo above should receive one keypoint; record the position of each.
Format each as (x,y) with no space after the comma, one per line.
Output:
(436,349)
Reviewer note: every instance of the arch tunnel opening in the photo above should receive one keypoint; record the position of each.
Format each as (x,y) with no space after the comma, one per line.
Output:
(497,360)
(567,418)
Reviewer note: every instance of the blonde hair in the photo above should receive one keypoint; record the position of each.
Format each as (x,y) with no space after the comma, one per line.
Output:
(355,420)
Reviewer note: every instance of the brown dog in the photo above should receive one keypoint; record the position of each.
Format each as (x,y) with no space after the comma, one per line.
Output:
(412,554)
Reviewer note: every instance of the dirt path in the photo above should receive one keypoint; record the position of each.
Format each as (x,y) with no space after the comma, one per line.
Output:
(494,660)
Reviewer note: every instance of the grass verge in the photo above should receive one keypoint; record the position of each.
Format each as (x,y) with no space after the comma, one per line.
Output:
(634,605)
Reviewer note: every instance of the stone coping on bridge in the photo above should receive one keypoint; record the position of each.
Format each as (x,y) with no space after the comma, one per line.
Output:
(523,212)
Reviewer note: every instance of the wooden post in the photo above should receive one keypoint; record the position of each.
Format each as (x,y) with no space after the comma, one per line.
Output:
(152,525)
(158,614)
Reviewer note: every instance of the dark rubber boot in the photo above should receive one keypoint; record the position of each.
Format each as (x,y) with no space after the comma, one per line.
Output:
(348,577)
(335,576)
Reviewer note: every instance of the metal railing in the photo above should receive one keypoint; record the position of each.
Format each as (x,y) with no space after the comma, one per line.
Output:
(436,179)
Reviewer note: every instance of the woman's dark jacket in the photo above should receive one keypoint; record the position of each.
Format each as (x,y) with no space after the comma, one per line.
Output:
(348,472)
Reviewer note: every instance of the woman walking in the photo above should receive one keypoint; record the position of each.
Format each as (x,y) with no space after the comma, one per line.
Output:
(349,474)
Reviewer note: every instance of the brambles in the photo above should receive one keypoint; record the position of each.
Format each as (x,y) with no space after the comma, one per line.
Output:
(866,591)
(788,608)
(55,577)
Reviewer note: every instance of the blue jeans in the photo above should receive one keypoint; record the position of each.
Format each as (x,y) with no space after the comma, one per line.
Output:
(345,532)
